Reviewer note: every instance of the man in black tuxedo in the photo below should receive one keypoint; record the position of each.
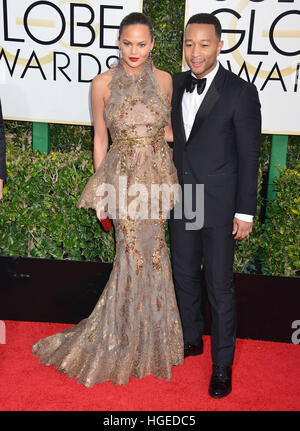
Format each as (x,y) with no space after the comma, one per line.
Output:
(2,154)
(216,123)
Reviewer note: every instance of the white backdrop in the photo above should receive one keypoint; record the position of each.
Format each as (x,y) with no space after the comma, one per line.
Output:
(45,69)
(265,39)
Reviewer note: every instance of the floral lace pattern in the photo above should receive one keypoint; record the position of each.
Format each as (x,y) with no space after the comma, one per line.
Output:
(134,329)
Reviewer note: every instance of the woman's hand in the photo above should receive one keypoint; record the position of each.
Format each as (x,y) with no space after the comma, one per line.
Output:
(100,214)
(104,219)
(169,133)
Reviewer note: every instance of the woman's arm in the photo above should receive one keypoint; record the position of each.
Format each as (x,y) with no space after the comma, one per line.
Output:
(169,91)
(169,133)
(166,84)
(98,93)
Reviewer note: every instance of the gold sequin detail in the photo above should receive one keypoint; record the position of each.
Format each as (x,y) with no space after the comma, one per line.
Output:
(134,329)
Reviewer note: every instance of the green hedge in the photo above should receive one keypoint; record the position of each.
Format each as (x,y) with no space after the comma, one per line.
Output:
(38,215)
(280,242)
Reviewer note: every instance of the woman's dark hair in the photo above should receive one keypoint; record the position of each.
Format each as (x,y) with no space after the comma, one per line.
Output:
(206,18)
(135,18)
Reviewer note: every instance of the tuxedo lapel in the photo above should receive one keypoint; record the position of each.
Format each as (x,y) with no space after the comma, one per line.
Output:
(209,101)
(177,109)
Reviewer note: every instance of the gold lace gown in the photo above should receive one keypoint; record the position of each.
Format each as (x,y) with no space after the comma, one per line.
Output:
(134,329)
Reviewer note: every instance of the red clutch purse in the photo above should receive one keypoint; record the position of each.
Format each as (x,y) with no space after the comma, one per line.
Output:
(106,223)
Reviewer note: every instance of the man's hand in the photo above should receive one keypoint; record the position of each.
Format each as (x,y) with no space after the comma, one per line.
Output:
(1,188)
(241,229)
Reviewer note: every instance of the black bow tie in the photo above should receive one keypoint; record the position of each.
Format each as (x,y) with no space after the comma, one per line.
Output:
(191,83)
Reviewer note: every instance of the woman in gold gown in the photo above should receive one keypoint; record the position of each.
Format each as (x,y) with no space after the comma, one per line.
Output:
(134,329)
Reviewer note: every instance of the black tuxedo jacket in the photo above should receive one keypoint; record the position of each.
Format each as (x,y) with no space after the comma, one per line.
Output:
(2,149)
(223,147)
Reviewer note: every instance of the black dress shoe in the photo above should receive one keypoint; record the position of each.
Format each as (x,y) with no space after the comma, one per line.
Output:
(220,382)
(193,349)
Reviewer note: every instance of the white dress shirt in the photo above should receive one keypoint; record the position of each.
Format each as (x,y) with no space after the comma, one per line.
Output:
(190,105)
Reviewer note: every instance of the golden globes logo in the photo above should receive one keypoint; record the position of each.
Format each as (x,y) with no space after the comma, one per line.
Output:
(278,30)
(71,26)
(270,33)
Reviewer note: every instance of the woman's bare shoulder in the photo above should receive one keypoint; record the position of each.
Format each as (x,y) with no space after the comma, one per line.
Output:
(165,82)
(163,76)
(100,85)
(103,79)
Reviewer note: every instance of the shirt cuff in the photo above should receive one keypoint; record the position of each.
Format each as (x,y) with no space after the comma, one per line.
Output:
(244,217)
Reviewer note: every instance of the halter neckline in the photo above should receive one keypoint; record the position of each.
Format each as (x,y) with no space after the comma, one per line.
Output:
(134,76)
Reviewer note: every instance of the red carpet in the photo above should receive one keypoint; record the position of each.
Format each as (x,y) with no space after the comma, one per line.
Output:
(265,377)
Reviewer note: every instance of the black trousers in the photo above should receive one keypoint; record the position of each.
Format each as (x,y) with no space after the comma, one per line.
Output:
(214,246)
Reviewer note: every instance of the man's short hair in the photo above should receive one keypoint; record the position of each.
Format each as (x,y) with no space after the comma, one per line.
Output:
(206,18)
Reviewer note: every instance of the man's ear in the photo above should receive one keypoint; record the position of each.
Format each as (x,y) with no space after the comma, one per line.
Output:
(220,46)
